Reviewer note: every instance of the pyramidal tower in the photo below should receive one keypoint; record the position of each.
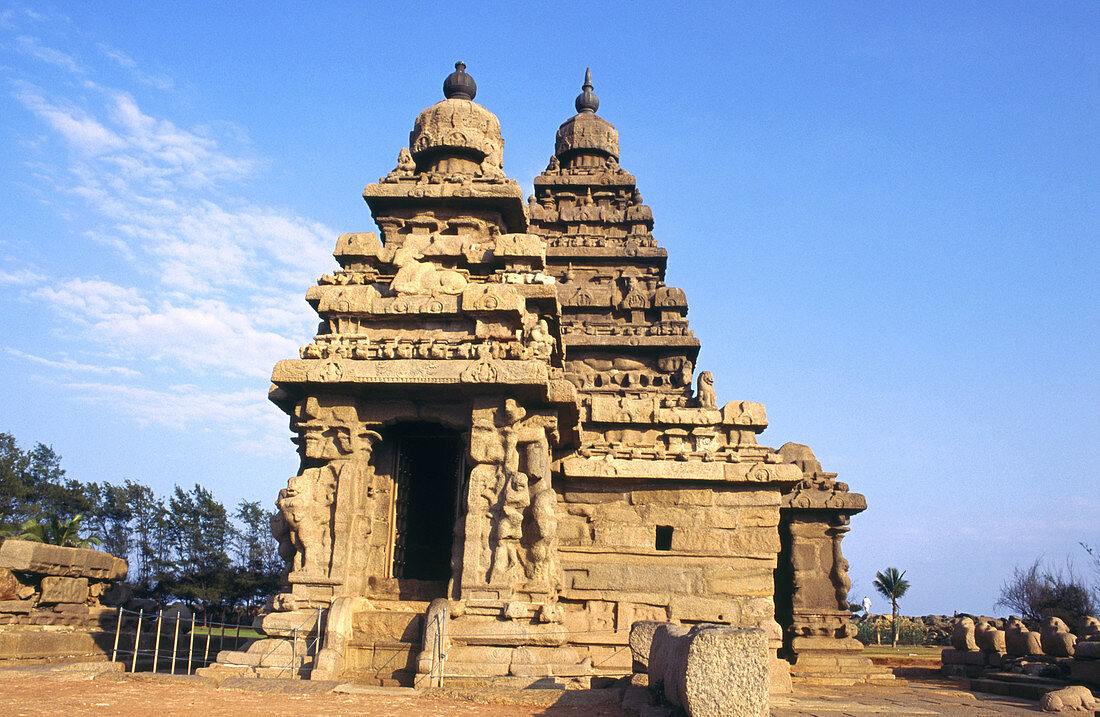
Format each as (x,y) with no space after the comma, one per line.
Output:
(507,455)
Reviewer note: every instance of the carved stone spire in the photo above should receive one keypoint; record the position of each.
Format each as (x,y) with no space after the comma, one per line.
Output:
(587,101)
(586,139)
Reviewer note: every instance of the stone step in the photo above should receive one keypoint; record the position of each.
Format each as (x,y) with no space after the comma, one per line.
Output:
(1013,685)
(280,658)
(388,625)
(382,678)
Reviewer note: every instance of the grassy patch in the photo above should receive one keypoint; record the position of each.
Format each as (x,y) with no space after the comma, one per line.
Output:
(902,650)
(246,633)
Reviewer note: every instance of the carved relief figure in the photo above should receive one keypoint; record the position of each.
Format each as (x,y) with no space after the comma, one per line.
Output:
(306,506)
(423,277)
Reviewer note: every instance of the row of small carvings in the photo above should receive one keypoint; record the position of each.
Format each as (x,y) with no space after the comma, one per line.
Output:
(357,277)
(638,380)
(662,328)
(590,213)
(576,237)
(367,299)
(537,346)
(748,451)
(666,297)
(399,176)
(475,248)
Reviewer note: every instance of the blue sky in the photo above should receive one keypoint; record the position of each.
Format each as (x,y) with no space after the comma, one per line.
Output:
(886,217)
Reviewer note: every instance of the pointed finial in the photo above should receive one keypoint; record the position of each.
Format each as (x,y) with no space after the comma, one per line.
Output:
(459,85)
(587,101)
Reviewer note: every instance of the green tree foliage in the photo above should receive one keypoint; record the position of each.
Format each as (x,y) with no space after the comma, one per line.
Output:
(187,548)
(892,585)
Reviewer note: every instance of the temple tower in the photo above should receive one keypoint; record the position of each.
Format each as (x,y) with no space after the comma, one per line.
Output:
(503,459)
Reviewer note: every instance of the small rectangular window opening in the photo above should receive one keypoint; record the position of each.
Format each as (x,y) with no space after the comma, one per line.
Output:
(663,539)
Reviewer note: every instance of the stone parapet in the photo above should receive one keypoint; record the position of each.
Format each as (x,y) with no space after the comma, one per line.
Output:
(31,557)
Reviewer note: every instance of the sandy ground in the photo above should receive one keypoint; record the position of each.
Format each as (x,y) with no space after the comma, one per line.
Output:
(34,693)
(133,696)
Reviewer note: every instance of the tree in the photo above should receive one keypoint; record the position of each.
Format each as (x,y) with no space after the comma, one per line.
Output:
(56,531)
(31,485)
(199,535)
(892,585)
(1038,592)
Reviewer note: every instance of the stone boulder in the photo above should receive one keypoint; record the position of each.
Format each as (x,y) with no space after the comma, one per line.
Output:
(9,585)
(711,671)
(1056,639)
(63,590)
(962,635)
(1068,699)
(1087,650)
(116,594)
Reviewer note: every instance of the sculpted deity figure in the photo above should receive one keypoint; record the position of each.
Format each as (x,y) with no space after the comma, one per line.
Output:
(535,211)
(543,513)
(841,582)
(540,340)
(405,163)
(510,526)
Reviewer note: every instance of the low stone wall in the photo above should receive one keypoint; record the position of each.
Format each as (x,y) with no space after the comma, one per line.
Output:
(57,603)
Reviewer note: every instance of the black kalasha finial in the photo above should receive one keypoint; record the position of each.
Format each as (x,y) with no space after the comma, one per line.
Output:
(459,85)
(587,101)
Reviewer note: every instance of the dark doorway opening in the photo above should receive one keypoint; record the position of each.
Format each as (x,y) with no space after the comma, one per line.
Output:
(429,465)
(784,588)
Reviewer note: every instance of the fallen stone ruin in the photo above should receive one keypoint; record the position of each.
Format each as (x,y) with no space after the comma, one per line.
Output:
(57,603)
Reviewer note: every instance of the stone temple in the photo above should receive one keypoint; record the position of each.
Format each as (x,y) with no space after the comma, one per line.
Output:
(505,445)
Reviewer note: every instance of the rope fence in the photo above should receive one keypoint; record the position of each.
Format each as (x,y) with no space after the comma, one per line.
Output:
(173,643)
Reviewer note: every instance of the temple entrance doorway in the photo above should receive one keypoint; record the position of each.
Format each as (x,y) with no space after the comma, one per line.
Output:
(428,471)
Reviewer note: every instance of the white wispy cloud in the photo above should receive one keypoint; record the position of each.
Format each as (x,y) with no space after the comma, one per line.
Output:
(20,277)
(199,281)
(31,46)
(187,406)
(160,82)
(68,364)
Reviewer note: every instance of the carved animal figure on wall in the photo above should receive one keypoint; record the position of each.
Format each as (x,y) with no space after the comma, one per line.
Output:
(1088,629)
(705,397)
(1021,641)
(988,637)
(962,635)
(281,532)
(423,277)
(1073,698)
(306,505)
(1056,638)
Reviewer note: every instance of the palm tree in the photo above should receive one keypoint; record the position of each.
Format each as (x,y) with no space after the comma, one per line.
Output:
(892,585)
(53,530)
